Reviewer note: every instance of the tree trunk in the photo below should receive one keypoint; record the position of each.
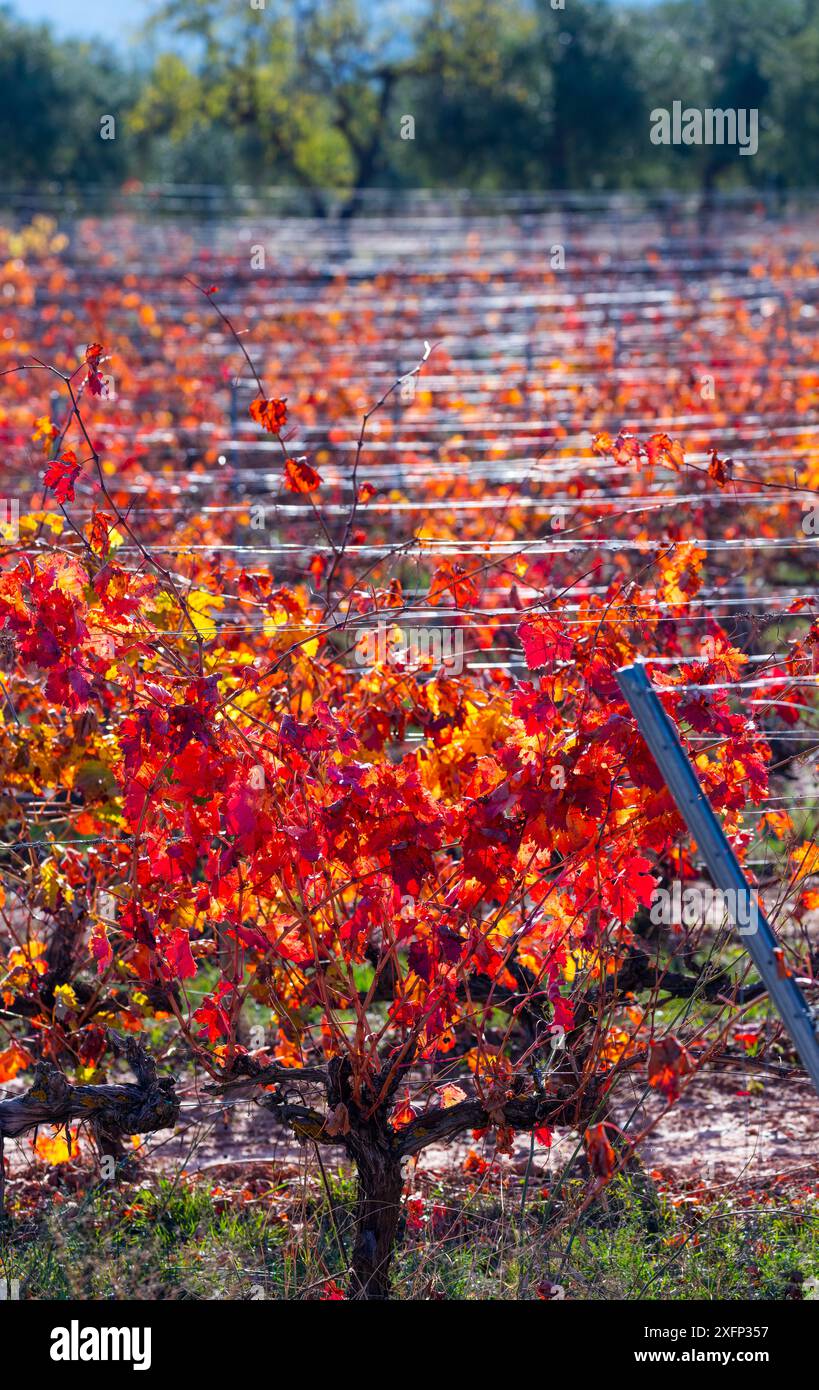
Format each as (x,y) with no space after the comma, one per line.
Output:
(378,1210)
(372,1146)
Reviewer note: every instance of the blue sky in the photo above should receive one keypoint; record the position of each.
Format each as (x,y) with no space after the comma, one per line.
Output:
(114,20)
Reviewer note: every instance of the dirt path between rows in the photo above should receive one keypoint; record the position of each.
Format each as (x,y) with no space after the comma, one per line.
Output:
(735,1127)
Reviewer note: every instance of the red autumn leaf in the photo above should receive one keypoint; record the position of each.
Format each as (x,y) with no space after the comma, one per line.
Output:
(94,381)
(660,449)
(178,957)
(331,1292)
(451,580)
(544,641)
(599,1151)
(626,450)
(101,527)
(241,808)
(61,474)
(270,414)
(562,1013)
(213,1017)
(667,1062)
(299,476)
(101,947)
(632,889)
(720,469)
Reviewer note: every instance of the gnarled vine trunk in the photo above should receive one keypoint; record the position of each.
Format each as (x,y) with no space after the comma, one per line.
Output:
(378,1209)
(372,1146)
(111,1109)
(356,1119)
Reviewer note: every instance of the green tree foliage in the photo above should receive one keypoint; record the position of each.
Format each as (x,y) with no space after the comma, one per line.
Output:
(725,54)
(350,94)
(52,98)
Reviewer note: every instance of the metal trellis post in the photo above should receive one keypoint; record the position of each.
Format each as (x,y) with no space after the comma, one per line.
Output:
(668,753)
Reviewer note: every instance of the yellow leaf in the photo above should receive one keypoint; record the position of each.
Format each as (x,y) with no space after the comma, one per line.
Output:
(56,1150)
(199,602)
(66,996)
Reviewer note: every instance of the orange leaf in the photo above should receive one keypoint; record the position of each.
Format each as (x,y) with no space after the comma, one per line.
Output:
(667,1062)
(14,1059)
(600,1152)
(660,449)
(403,1114)
(57,1149)
(451,1095)
(299,476)
(271,415)
(719,469)
(451,578)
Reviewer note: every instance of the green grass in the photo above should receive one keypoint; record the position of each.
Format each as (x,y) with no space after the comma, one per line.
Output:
(711,1250)
(187,1241)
